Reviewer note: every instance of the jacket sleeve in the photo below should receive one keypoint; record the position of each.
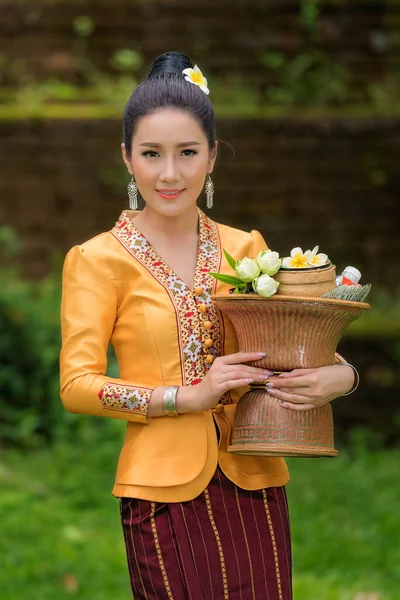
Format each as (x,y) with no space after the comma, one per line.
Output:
(88,314)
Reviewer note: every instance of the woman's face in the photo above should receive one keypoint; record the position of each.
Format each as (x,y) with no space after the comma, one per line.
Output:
(170,153)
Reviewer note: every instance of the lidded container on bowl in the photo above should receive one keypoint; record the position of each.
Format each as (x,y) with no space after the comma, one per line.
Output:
(313,281)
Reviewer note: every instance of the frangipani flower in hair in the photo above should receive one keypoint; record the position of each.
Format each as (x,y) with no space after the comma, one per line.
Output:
(196,76)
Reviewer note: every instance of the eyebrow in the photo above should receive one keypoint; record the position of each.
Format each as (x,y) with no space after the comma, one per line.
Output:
(154,145)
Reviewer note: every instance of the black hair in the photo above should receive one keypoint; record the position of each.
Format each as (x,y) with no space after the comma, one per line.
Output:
(166,87)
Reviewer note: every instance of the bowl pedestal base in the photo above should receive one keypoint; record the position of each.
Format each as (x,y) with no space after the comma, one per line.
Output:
(262,427)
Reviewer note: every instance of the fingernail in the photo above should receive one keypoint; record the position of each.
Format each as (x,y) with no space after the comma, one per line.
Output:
(267,373)
(249,380)
(262,353)
(269,386)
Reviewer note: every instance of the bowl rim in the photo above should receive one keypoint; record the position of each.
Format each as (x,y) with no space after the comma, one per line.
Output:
(310,300)
(306,269)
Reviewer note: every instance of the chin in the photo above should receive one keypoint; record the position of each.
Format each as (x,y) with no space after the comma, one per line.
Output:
(170,208)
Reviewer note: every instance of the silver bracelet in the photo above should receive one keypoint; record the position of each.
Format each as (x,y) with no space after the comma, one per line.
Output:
(357,376)
(170,401)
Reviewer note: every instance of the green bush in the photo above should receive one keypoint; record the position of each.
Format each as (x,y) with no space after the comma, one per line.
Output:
(31,409)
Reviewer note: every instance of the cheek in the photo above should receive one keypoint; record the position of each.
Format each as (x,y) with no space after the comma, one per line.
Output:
(143,169)
(196,170)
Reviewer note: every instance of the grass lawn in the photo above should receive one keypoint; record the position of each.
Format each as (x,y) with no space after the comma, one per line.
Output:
(60,535)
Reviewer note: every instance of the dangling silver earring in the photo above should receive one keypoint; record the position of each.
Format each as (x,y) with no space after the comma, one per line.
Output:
(133,194)
(209,192)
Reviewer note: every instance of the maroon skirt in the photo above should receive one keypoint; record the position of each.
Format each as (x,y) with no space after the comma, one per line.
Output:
(226,544)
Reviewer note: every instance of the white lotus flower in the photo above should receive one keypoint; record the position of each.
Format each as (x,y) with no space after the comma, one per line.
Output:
(314,259)
(296,260)
(265,286)
(196,76)
(269,262)
(247,269)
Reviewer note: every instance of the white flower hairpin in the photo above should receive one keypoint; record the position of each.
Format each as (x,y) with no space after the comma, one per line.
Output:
(196,76)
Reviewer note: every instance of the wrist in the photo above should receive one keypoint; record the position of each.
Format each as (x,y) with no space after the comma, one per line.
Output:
(189,399)
(354,378)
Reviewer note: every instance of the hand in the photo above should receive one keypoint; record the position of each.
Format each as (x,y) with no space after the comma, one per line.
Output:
(227,373)
(304,389)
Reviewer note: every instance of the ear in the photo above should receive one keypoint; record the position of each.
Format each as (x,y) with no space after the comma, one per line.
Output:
(213,157)
(126,159)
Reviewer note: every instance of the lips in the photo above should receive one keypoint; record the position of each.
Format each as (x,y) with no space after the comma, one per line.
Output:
(167,193)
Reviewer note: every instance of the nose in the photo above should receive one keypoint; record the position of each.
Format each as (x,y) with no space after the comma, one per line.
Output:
(170,172)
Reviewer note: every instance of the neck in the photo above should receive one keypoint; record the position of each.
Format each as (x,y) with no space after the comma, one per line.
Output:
(182,225)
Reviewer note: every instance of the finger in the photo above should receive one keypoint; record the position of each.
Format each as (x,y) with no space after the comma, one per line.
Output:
(243,374)
(239,357)
(297,407)
(231,384)
(302,391)
(289,397)
(244,371)
(303,381)
(296,373)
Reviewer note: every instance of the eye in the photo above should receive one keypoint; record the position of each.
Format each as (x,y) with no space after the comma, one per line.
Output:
(150,152)
(192,152)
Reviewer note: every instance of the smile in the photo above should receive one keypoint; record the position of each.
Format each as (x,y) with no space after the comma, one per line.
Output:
(172,194)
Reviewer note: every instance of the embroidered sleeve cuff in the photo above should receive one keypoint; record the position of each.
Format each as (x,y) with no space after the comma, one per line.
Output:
(341,361)
(126,398)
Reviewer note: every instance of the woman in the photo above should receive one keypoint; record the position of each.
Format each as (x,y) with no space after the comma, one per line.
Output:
(199,523)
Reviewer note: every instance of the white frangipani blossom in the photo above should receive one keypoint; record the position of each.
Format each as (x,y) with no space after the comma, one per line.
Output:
(314,259)
(196,76)
(296,260)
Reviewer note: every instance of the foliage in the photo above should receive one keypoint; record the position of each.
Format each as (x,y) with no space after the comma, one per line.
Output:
(310,78)
(126,60)
(310,84)
(383,320)
(345,520)
(29,349)
(309,13)
(83,26)
(344,523)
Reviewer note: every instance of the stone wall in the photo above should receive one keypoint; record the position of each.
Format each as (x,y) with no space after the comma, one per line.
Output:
(227,37)
(335,183)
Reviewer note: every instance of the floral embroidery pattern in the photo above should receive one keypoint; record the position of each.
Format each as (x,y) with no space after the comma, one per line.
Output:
(176,285)
(192,348)
(208,249)
(184,300)
(125,397)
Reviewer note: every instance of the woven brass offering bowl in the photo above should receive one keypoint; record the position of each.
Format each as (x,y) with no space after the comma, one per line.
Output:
(295,333)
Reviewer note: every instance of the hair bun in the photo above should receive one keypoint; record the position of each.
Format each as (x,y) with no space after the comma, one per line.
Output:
(170,62)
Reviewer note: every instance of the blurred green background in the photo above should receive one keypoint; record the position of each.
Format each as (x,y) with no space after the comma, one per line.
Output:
(307,92)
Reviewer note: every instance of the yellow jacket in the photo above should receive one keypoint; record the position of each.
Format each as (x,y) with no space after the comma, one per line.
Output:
(117,289)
